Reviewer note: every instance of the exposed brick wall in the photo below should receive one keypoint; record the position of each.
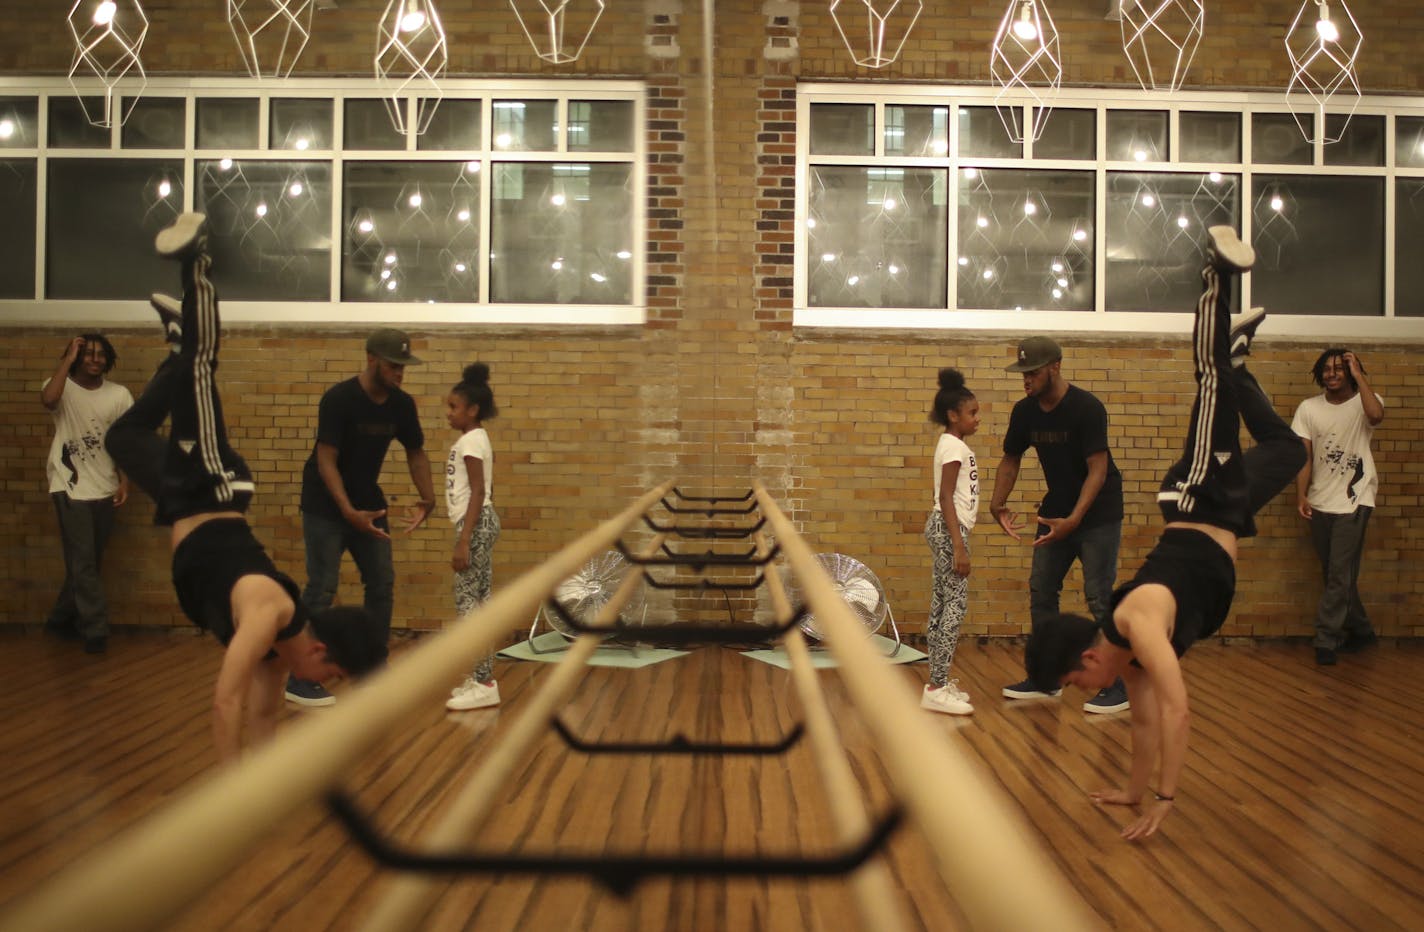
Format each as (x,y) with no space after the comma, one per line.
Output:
(717,389)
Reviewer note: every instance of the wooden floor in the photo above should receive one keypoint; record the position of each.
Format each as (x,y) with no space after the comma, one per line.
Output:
(1302,805)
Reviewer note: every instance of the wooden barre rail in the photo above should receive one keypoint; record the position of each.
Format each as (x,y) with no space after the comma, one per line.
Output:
(160,865)
(987,857)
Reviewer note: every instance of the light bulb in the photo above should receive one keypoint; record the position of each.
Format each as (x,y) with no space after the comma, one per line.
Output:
(981,222)
(811,221)
(1057,293)
(889,203)
(988,274)
(557,264)
(557,200)
(164,188)
(1215,177)
(1277,203)
(1325,28)
(390,258)
(296,189)
(1148,200)
(413,19)
(472,166)
(463,216)
(853,280)
(7,129)
(894,270)
(1057,266)
(261,210)
(415,199)
(598,277)
(1062,283)
(624,254)
(1030,208)
(963,260)
(1025,28)
(828,257)
(969,173)
(104,13)
(1181,223)
(459,266)
(391,285)
(1140,155)
(385,274)
(503,140)
(303,143)
(1080,235)
(225,164)
(365,226)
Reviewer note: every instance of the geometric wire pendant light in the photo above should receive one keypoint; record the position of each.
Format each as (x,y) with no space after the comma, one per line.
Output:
(1324,54)
(888,24)
(1160,37)
(411,53)
(562,27)
(108,37)
(1025,60)
(270,31)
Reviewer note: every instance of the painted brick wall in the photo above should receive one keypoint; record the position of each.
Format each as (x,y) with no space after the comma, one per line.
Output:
(717,389)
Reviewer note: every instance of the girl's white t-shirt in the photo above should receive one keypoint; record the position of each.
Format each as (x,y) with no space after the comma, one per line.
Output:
(457,480)
(951,449)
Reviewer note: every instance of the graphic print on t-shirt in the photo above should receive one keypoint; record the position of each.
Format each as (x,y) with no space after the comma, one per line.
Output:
(1340,462)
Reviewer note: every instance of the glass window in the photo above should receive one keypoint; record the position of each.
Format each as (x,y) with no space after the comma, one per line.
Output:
(1358,142)
(1137,136)
(299,124)
(411,232)
(1408,242)
(455,124)
(227,123)
(1068,134)
(1319,244)
(367,124)
(600,125)
(270,228)
(561,232)
(983,135)
(1277,139)
(100,223)
(916,131)
(17,233)
(1209,136)
(1025,239)
(155,123)
(525,125)
(69,127)
(19,122)
(1409,142)
(842,129)
(877,237)
(1156,223)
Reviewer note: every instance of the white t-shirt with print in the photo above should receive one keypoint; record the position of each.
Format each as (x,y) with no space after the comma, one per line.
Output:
(1342,469)
(78,463)
(951,449)
(457,479)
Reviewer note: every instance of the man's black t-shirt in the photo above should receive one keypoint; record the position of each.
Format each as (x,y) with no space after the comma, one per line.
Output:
(361,431)
(1064,438)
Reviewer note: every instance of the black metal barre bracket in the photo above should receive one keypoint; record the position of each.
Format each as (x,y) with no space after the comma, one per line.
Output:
(685,634)
(710,511)
(746,496)
(699,561)
(706,584)
(706,533)
(619,873)
(678,744)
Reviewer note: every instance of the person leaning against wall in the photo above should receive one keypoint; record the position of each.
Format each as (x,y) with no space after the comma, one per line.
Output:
(1080,517)
(1335,492)
(84,484)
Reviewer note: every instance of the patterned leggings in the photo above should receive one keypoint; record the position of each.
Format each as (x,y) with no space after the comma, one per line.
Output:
(949,597)
(472,584)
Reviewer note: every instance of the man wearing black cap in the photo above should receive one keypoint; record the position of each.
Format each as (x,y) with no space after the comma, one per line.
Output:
(1081,516)
(343,507)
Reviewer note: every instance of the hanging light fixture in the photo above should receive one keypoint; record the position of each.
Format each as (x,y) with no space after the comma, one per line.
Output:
(1324,49)
(270,31)
(1024,60)
(886,26)
(411,55)
(108,37)
(562,27)
(1165,32)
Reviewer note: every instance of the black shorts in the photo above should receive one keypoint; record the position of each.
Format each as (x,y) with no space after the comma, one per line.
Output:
(210,561)
(1201,577)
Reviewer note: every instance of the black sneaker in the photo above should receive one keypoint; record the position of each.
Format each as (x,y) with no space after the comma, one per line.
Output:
(1112,699)
(96,645)
(1243,332)
(1226,251)
(1325,657)
(1354,643)
(307,693)
(1027,690)
(170,312)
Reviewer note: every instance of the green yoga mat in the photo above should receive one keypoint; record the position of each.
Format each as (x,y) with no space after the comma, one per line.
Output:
(822,658)
(554,642)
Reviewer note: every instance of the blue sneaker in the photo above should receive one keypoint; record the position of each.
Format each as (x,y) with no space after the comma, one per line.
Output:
(1027,690)
(1107,701)
(303,692)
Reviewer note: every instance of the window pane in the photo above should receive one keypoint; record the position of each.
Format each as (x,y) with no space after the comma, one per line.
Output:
(1359,142)
(299,124)
(1409,142)
(69,128)
(1276,139)
(1137,135)
(982,135)
(1319,245)
(842,129)
(17,233)
(1025,239)
(367,125)
(600,125)
(270,226)
(454,125)
(1156,223)
(525,125)
(1408,242)
(916,130)
(879,237)
(1209,136)
(1068,134)
(101,218)
(561,233)
(227,123)
(155,123)
(19,122)
(411,232)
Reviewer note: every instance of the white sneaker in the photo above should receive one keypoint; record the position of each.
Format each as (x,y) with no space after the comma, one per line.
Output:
(948,700)
(465,684)
(1243,332)
(1225,249)
(473,696)
(183,237)
(953,687)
